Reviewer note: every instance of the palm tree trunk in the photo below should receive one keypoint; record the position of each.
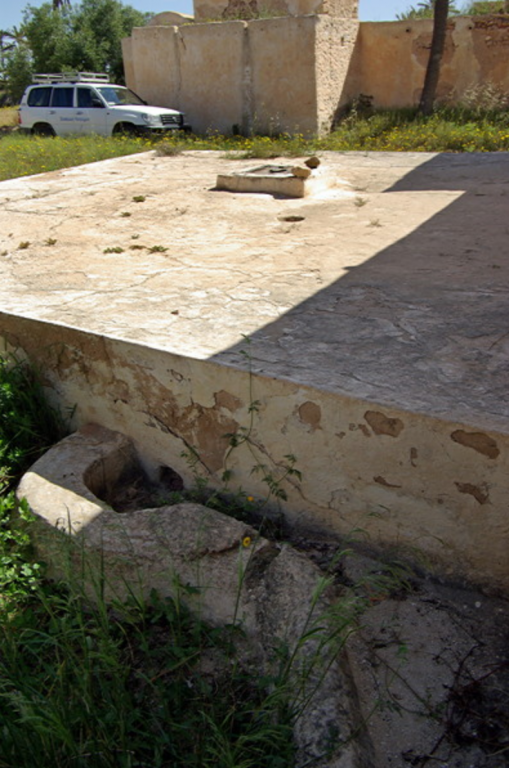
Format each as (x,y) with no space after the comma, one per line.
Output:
(440,13)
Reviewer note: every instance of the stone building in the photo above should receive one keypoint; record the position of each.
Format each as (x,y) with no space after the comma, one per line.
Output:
(291,65)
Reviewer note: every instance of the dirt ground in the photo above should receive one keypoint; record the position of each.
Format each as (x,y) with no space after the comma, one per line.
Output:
(429,662)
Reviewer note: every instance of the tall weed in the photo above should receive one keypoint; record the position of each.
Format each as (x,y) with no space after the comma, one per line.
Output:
(28,424)
(126,686)
(476,125)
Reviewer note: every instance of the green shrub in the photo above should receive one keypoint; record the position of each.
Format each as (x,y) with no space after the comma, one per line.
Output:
(28,424)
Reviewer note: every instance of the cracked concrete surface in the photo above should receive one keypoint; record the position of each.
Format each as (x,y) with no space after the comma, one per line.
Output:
(393,287)
(378,326)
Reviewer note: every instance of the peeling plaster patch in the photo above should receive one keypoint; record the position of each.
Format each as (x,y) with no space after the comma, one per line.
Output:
(226,400)
(382,481)
(310,414)
(196,425)
(383,425)
(478,441)
(479,492)
(205,430)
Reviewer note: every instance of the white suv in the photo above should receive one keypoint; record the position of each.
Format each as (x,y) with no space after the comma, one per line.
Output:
(86,102)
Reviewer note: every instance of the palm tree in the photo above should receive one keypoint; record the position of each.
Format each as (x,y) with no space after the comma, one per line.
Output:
(424,10)
(440,13)
(9,40)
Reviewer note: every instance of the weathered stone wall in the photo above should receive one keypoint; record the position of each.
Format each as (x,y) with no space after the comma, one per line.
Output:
(335,44)
(434,487)
(128,59)
(205,10)
(390,59)
(266,75)
(293,73)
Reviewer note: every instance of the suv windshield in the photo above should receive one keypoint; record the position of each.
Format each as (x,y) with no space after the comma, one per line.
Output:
(115,94)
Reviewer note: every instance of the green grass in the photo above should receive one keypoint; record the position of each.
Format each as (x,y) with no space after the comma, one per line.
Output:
(444,131)
(447,130)
(123,686)
(22,155)
(28,424)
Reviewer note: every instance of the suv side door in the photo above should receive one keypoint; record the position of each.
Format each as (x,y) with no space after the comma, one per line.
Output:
(62,114)
(91,112)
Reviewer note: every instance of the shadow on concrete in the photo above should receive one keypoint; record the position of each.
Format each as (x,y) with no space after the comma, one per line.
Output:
(424,324)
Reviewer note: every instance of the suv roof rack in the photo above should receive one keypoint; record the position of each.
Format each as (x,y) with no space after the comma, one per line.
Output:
(72,77)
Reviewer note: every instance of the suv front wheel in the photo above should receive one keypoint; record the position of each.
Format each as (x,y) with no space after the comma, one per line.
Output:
(127,129)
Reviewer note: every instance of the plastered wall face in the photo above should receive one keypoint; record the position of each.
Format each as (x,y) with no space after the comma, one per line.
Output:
(155,70)
(212,74)
(284,91)
(434,488)
(390,61)
(128,59)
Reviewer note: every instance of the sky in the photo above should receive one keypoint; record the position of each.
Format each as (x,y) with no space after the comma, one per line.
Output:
(369,10)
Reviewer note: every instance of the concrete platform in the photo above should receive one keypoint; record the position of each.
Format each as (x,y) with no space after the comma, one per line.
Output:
(377,314)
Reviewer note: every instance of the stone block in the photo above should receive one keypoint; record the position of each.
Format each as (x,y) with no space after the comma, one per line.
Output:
(283,181)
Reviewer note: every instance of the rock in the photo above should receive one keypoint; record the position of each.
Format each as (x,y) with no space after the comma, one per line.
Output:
(301,173)
(312,162)
(295,600)
(221,568)
(137,551)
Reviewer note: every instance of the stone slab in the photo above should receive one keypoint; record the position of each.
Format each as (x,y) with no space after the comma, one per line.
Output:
(397,292)
(275,180)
